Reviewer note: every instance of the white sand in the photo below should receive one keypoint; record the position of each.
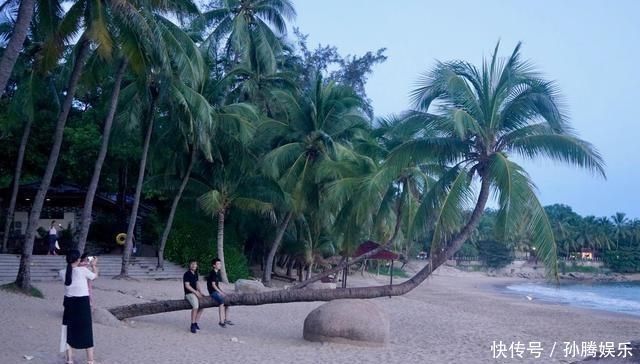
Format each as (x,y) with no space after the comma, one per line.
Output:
(453,317)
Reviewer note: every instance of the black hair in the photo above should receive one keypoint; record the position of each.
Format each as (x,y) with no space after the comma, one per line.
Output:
(84,256)
(72,257)
(215,260)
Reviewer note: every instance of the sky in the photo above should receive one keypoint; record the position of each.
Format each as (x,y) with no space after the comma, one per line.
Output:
(590,48)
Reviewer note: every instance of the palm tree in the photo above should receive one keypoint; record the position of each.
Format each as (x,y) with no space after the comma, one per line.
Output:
(317,126)
(235,121)
(85,219)
(247,24)
(18,36)
(479,117)
(23,279)
(25,97)
(176,72)
(129,25)
(620,223)
(232,188)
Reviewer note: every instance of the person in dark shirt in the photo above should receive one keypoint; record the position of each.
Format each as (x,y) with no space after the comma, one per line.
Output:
(192,294)
(217,294)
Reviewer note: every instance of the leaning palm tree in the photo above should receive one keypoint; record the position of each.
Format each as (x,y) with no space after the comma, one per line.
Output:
(481,117)
(472,121)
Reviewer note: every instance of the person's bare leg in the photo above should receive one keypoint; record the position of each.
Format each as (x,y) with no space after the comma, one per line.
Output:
(199,314)
(221,313)
(194,315)
(226,313)
(90,355)
(69,355)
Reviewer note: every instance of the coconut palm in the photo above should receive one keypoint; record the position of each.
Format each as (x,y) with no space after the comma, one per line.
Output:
(235,120)
(130,26)
(481,118)
(45,21)
(175,75)
(248,26)
(317,127)
(18,35)
(231,186)
(620,227)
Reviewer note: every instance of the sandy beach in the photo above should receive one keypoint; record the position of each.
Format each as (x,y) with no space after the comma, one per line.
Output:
(453,317)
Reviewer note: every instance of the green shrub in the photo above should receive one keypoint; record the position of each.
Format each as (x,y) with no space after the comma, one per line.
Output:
(194,237)
(494,254)
(467,250)
(623,260)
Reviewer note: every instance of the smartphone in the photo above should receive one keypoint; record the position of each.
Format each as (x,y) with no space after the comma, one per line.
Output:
(91,258)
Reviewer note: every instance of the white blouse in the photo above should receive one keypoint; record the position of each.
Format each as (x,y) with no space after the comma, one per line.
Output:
(78,286)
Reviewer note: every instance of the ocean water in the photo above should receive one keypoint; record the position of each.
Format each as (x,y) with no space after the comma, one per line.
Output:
(613,297)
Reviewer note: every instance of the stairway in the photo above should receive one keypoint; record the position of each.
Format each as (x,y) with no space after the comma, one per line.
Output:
(46,267)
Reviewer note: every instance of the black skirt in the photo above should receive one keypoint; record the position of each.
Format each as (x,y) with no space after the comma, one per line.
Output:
(77,318)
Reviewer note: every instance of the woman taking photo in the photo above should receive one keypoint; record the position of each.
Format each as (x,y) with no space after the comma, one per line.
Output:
(77,330)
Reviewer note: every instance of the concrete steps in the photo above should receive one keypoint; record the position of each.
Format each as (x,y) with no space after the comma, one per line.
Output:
(46,268)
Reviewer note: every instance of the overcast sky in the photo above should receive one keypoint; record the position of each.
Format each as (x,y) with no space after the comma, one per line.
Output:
(591,48)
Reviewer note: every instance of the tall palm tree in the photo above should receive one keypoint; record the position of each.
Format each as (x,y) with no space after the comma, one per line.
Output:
(316,127)
(234,121)
(14,46)
(176,72)
(248,25)
(45,21)
(130,26)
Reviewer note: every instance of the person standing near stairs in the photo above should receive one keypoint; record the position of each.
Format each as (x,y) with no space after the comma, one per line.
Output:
(53,238)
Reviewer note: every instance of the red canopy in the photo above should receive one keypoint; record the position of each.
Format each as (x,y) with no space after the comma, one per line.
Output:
(369,245)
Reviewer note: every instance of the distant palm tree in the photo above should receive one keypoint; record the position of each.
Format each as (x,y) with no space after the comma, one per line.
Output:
(620,226)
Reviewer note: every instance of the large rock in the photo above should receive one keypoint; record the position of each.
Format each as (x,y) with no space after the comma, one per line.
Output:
(356,322)
(249,286)
(322,285)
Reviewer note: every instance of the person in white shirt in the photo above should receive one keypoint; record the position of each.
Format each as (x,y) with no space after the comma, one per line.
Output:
(77,329)
(52,238)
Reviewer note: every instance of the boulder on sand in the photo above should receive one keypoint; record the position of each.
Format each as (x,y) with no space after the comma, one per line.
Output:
(350,321)
(249,286)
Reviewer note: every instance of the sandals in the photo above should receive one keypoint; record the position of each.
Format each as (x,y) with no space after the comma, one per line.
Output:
(222,324)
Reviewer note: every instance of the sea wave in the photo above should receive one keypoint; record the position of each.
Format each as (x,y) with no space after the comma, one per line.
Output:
(615,298)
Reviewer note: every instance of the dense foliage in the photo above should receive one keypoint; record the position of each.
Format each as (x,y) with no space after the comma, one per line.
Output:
(246,140)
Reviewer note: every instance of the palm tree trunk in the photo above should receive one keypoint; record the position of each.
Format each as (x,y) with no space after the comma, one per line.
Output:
(223,270)
(19,34)
(174,207)
(16,183)
(311,295)
(23,279)
(126,254)
(266,274)
(85,220)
